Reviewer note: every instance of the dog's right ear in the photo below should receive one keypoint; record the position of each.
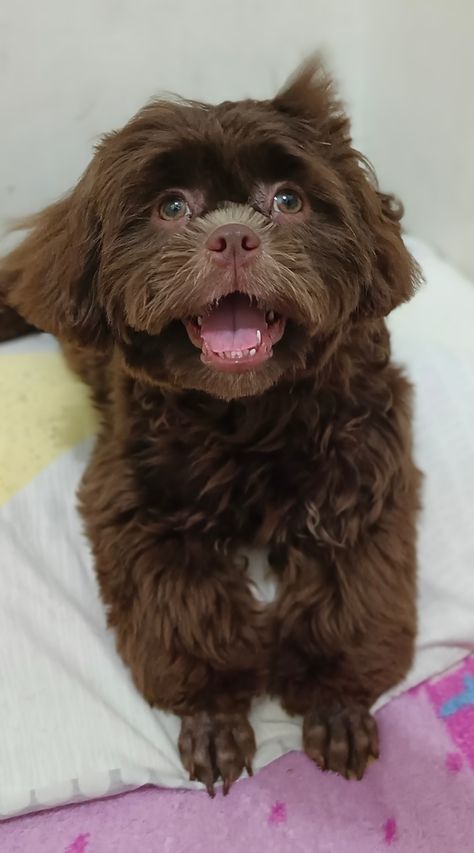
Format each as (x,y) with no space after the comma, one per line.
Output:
(50,278)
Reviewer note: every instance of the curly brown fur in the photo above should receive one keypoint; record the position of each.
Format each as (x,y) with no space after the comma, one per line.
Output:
(308,453)
(12,325)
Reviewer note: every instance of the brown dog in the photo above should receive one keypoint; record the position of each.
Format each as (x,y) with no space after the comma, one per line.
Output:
(220,276)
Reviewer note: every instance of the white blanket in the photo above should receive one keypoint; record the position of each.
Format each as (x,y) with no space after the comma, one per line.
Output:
(72,725)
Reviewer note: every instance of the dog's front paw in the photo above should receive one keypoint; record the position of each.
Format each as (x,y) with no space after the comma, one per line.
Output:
(342,739)
(216,745)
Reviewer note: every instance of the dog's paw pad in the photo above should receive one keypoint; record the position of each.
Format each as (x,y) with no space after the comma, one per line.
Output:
(341,739)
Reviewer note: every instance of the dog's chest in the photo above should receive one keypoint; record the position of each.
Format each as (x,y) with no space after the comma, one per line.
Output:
(263,581)
(241,479)
(238,494)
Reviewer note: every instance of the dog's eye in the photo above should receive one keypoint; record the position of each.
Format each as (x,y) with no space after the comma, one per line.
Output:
(174,207)
(287,201)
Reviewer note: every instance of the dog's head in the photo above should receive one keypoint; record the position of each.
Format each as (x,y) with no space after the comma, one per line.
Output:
(218,248)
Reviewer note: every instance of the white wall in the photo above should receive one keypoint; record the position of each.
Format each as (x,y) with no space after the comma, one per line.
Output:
(72,69)
(418,115)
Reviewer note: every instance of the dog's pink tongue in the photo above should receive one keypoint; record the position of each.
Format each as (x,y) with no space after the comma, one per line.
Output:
(233,324)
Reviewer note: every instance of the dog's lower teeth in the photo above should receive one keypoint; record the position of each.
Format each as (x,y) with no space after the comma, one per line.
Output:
(233,355)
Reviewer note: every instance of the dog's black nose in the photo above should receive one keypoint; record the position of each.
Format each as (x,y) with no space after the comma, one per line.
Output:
(233,243)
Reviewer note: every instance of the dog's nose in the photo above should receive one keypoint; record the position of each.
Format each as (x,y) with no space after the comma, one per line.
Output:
(233,241)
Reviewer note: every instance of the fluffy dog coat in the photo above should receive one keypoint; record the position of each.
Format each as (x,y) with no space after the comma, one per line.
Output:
(220,276)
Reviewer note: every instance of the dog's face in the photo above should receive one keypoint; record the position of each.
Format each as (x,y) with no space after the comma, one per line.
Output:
(220,248)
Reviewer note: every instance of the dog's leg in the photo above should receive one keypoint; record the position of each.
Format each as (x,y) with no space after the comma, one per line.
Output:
(186,624)
(188,629)
(345,626)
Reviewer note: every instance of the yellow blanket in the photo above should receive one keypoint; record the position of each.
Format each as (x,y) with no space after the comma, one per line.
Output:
(45,410)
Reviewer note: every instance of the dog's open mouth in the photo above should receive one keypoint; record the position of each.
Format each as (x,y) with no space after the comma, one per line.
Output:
(235,333)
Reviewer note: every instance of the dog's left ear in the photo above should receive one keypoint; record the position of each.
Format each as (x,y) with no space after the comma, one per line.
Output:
(310,101)
(310,97)
(395,273)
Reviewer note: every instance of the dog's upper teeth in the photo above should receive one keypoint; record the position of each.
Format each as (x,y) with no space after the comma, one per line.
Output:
(270,316)
(199,320)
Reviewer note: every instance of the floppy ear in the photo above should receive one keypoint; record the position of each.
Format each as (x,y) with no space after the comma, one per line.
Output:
(310,100)
(396,275)
(50,277)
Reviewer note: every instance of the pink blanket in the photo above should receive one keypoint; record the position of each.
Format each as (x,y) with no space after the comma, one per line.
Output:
(419,797)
